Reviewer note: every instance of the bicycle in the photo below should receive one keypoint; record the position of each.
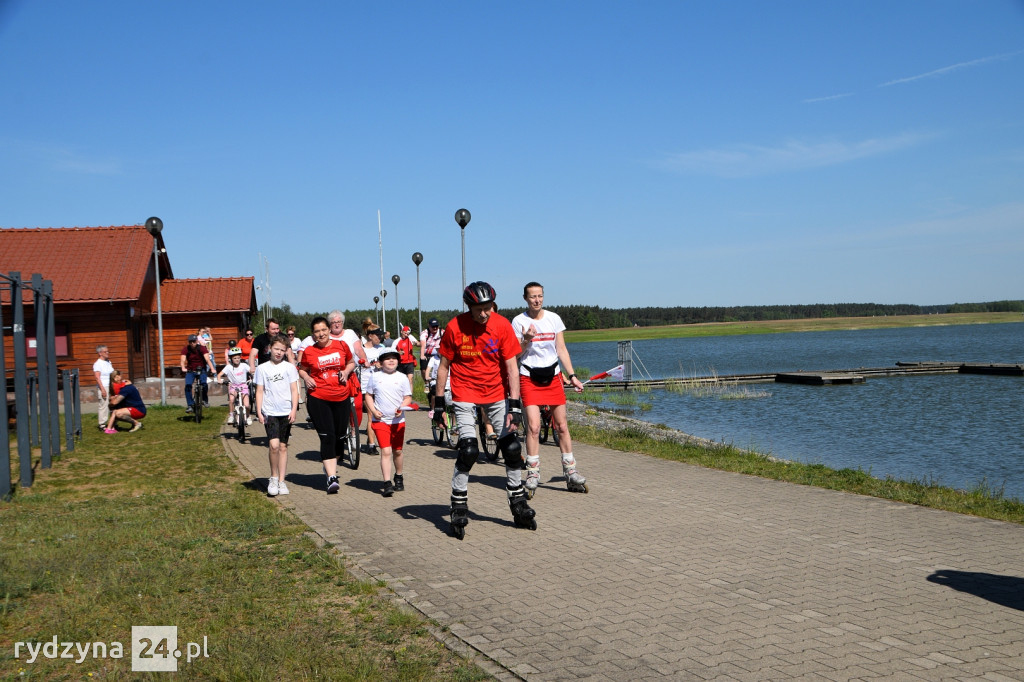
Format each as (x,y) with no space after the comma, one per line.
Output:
(490,447)
(241,412)
(545,425)
(197,396)
(352,436)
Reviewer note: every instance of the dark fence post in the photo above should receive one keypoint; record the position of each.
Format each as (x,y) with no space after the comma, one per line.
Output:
(33,423)
(50,357)
(5,446)
(20,381)
(45,437)
(78,402)
(69,412)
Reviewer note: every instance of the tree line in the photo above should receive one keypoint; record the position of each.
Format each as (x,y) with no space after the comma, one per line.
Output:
(597,317)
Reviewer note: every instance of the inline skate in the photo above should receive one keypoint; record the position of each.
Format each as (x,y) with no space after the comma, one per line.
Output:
(574,481)
(532,477)
(522,514)
(460,513)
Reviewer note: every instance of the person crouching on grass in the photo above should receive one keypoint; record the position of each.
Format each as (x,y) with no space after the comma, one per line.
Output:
(277,398)
(389,391)
(125,404)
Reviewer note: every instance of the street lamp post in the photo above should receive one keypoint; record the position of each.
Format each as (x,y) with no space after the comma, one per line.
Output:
(376,308)
(398,323)
(417,258)
(154,226)
(384,311)
(462,217)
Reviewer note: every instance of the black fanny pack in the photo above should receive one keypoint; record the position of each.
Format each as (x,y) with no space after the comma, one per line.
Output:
(542,376)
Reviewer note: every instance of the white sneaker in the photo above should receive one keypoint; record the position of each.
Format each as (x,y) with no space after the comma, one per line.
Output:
(273,488)
(248,421)
(282,488)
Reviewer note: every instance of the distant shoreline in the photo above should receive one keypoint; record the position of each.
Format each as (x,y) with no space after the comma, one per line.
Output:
(786,326)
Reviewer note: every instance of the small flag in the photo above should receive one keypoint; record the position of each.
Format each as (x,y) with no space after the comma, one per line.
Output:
(614,373)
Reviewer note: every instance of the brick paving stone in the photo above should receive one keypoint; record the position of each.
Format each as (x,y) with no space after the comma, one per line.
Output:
(668,570)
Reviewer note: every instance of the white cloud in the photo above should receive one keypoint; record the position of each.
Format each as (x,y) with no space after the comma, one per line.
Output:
(950,69)
(793,155)
(827,98)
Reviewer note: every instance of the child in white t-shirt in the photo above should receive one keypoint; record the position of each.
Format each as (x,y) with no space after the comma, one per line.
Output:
(277,398)
(386,396)
(236,373)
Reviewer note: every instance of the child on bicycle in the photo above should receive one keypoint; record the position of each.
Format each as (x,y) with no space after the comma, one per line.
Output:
(236,375)
(387,394)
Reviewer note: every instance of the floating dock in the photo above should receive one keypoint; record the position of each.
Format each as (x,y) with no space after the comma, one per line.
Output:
(830,377)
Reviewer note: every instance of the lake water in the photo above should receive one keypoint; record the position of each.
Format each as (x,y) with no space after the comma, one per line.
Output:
(957,430)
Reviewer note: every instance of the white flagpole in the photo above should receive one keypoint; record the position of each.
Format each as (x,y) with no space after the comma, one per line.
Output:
(383,296)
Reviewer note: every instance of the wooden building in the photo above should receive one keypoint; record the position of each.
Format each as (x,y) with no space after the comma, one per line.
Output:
(104,288)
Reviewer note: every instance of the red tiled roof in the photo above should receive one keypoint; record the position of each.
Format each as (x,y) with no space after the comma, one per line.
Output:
(220,294)
(86,264)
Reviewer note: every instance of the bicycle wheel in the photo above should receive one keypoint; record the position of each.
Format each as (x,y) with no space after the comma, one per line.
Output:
(197,401)
(240,420)
(352,436)
(451,430)
(545,426)
(437,432)
(490,447)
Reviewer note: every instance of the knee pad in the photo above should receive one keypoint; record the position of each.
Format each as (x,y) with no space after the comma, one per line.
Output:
(512,451)
(466,455)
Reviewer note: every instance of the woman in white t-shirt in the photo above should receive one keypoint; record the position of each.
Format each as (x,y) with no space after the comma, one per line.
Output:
(542,350)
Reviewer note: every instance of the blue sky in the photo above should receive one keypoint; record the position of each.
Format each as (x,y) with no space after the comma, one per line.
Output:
(621,153)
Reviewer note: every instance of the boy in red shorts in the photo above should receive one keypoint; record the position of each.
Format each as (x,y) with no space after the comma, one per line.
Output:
(387,394)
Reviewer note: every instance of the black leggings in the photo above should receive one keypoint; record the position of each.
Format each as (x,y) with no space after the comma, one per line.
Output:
(331,419)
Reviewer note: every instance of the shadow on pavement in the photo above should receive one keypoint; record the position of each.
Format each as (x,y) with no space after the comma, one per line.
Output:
(1006,590)
(438,515)
(313,481)
(307,455)
(371,486)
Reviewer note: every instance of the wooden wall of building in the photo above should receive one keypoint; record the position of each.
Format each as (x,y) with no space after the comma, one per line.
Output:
(87,326)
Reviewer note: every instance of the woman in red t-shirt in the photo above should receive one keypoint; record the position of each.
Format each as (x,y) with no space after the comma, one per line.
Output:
(324,369)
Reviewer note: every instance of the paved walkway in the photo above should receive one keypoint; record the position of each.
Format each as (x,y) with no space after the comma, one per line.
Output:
(666,570)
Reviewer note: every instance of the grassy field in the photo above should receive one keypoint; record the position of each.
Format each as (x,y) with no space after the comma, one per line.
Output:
(159,527)
(783,326)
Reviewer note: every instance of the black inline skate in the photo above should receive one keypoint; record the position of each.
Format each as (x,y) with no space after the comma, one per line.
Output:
(522,514)
(460,513)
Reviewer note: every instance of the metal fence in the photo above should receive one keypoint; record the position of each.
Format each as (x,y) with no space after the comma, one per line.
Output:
(36,404)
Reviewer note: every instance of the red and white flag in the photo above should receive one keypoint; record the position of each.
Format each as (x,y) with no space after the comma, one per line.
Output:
(614,373)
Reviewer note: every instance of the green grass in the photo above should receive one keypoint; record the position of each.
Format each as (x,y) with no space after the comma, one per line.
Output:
(783,326)
(983,500)
(159,527)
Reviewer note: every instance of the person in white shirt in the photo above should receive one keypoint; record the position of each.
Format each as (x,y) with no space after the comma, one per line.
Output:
(542,350)
(277,398)
(101,370)
(387,397)
(236,374)
(372,348)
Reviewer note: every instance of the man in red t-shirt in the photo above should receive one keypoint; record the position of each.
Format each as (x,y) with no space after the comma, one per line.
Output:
(479,352)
